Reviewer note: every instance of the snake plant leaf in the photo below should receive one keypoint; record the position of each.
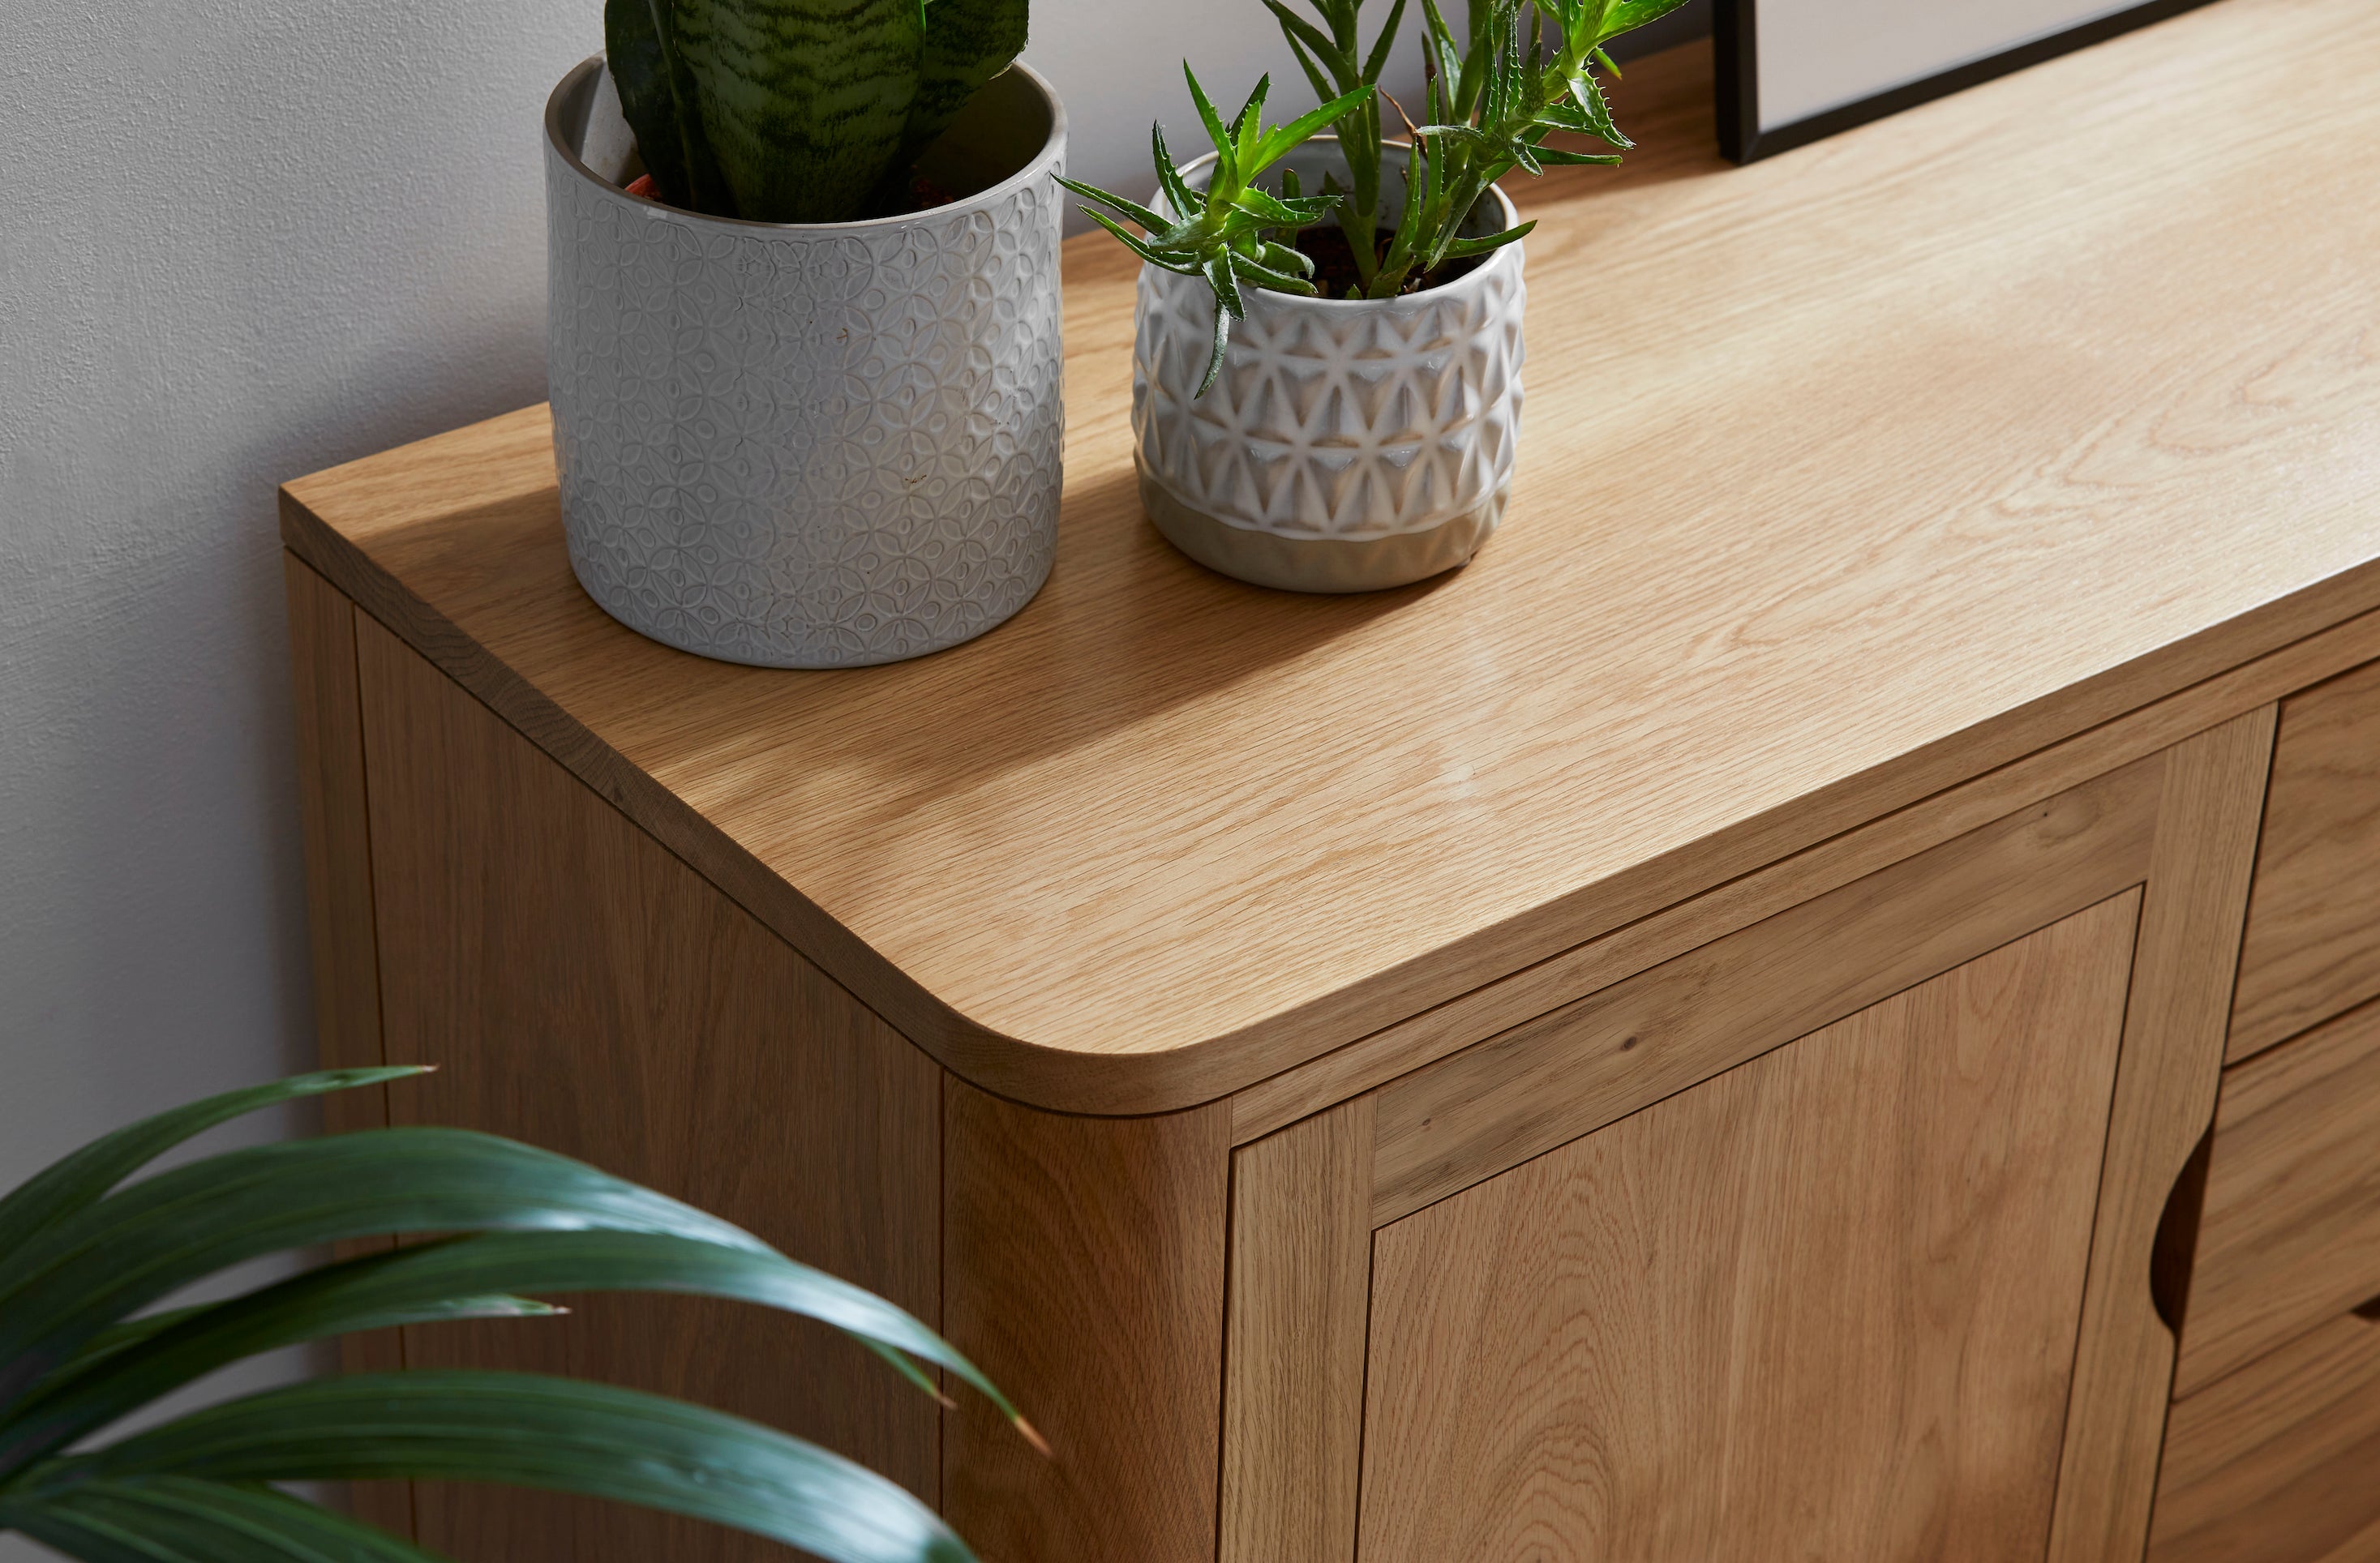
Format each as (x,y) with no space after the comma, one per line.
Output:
(657,97)
(80,1179)
(806,103)
(135,1246)
(184,1520)
(967,43)
(532,1430)
(459,1277)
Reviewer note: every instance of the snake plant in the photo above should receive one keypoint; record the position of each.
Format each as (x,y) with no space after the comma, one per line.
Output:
(799,111)
(82,1257)
(1519,72)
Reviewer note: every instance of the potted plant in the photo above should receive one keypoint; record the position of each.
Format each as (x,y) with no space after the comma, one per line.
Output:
(1327,368)
(81,1259)
(803,324)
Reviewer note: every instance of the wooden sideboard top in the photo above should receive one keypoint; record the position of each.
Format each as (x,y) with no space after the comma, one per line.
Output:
(1845,476)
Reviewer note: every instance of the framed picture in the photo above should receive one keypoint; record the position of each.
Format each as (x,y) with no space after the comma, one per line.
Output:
(1792,71)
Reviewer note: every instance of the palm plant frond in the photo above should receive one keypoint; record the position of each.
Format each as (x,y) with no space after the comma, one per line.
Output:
(83,1253)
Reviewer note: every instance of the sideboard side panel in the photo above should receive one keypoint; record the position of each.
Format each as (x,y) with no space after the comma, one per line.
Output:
(1084,1265)
(583,990)
(2205,854)
(333,823)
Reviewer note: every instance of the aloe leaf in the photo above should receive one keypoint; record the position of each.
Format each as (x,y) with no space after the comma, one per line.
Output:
(1169,182)
(1315,75)
(1266,277)
(1298,30)
(1132,209)
(83,1178)
(1630,15)
(968,43)
(455,1278)
(1596,110)
(132,1247)
(1248,125)
(1557,157)
(806,103)
(1466,248)
(1141,247)
(531,1430)
(183,1520)
(1384,44)
(657,96)
(1207,115)
(1215,356)
(1278,143)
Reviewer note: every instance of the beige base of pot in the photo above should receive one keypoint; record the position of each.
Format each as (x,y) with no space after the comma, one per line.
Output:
(1332,565)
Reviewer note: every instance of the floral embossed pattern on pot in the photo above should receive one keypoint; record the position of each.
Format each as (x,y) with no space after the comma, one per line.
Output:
(813,444)
(1346,444)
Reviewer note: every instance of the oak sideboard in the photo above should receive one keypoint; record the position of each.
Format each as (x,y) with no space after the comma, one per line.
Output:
(1821,1000)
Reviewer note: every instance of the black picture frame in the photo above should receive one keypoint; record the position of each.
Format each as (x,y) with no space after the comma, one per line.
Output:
(1734,44)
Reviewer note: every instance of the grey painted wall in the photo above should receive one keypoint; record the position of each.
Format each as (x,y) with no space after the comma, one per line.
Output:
(242,239)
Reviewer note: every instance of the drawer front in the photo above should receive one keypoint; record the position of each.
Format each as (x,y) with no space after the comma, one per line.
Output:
(2290,1232)
(2279,1462)
(2312,947)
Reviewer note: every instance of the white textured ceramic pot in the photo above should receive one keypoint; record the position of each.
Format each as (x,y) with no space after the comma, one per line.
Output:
(809,445)
(1347,445)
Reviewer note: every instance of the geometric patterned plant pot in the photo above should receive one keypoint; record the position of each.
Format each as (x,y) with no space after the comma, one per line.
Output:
(1346,445)
(808,445)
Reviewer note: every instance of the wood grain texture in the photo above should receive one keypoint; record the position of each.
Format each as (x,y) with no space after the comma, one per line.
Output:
(332,819)
(2275,1463)
(333,822)
(1084,1264)
(2290,1231)
(584,990)
(1271,1104)
(1822,1306)
(2313,923)
(2207,816)
(2073,426)
(1293,1382)
(1471,1116)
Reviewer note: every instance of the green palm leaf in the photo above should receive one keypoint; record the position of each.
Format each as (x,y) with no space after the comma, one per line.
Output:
(75,1355)
(531,1430)
(80,1179)
(455,1278)
(183,1520)
(102,1263)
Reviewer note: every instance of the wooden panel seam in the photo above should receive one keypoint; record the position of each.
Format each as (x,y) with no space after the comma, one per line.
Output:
(1515,1097)
(2166,1074)
(1369,1061)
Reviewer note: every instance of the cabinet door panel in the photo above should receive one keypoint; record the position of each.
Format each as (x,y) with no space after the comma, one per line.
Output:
(1821,1306)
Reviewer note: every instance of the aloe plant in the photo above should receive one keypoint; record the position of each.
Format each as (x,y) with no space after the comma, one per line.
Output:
(1521,71)
(799,111)
(81,1258)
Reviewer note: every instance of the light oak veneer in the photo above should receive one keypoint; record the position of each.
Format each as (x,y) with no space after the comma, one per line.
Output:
(1847,477)
(1822,1306)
